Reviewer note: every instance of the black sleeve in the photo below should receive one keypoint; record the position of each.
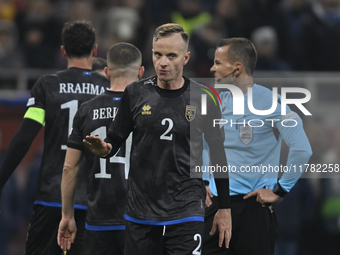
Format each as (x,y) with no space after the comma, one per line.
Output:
(121,126)
(215,136)
(17,149)
(218,157)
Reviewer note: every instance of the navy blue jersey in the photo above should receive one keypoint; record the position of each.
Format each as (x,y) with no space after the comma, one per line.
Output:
(107,177)
(60,95)
(167,144)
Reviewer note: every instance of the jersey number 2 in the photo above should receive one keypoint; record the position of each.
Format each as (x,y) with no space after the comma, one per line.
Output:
(165,135)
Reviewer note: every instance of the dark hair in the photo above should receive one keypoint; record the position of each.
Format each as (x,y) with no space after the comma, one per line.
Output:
(98,63)
(242,50)
(78,38)
(123,54)
(170,29)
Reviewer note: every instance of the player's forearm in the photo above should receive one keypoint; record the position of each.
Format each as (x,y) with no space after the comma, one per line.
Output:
(68,190)
(218,157)
(113,144)
(18,148)
(69,181)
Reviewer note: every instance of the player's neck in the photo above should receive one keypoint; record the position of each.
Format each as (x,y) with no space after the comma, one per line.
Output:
(120,83)
(84,63)
(172,84)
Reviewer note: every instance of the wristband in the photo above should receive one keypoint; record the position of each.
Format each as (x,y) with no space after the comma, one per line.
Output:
(278,190)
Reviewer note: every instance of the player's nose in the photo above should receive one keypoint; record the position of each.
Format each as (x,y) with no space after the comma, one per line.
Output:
(163,61)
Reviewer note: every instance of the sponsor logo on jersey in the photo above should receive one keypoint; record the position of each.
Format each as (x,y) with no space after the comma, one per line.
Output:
(190,112)
(31,101)
(245,134)
(146,110)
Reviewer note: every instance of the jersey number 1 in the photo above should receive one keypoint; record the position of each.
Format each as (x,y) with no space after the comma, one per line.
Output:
(101,132)
(73,106)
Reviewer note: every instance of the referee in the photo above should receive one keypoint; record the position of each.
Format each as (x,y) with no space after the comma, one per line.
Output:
(252,193)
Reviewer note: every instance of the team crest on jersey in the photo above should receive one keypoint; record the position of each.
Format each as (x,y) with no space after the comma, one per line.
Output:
(190,112)
(31,101)
(245,134)
(146,110)
(290,115)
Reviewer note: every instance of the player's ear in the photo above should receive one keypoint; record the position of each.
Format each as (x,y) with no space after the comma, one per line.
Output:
(141,72)
(63,51)
(186,58)
(107,72)
(94,50)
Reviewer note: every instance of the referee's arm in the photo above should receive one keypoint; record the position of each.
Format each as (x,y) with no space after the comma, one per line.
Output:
(299,154)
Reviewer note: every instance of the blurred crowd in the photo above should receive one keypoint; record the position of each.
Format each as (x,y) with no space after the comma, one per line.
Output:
(288,34)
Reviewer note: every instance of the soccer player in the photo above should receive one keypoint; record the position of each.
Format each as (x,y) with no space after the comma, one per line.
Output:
(99,64)
(107,178)
(252,193)
(165,206)
(53,103)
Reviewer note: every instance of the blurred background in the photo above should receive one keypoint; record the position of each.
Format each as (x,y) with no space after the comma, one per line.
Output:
(298,45)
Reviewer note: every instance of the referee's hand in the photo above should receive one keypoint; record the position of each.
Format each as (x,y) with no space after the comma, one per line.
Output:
(263,196)
(222,221)
(208,198)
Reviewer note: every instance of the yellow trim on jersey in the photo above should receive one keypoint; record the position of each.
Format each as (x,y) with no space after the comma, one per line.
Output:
(37,114)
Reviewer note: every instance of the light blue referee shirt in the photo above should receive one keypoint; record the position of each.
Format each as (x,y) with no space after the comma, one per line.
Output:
(253,153)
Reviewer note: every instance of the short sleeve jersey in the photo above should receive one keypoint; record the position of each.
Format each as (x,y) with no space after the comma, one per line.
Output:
(107,178)
(167,144)
(60,95)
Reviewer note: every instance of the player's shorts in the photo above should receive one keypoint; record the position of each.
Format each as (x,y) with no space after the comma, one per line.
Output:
(104,242)
(180,239)
(254,228)
(43,231)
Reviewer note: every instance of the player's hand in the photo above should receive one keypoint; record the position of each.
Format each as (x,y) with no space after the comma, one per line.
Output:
(97,146)
(263,196)
(222,221)
(66,233)
(208,197)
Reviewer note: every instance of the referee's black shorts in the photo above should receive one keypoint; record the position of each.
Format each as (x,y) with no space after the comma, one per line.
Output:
(177,239)
(43,231)
(254,228)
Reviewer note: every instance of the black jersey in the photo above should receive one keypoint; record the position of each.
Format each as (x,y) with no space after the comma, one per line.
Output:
(107,178)
(60,95)
(167,130)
